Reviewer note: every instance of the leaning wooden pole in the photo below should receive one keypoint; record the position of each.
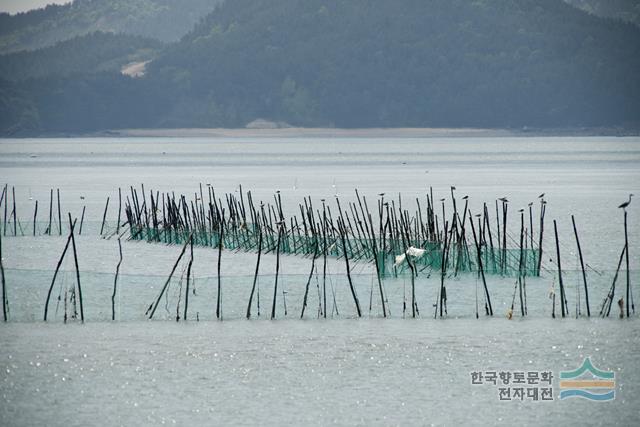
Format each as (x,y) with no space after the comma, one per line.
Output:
(275,286)
(119,209)
(75,260)
(220,245)
(489,308)
(626,245)
(562,296)
(313,266)
(255,276)
(35,218)
(186,293)
(343,231)
(154,305)
(50,212)
(543,207)
(4,285)
(584,275)
(59,214)
(55,274)
(15,218)
(115,283)
(520,262)
(104,216)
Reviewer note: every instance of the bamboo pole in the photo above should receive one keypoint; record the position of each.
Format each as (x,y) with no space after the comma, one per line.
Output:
(15,220)
(50,211)
(626,245)
(520,267)
(59,213)
(562,295)
(35,218)
(313,266)
(255,276)
(119,209)
(584,275)
(186,293)
(154,305)
(55,274)
(219,294)
(4,285)
(81,221)
(346,260)
(104,216)
(75,260)
(489,309)
(115,282)
(275,286)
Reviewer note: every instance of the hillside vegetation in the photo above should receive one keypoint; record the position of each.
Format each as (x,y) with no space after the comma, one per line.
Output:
(89,54)
(165,20)
(360,63)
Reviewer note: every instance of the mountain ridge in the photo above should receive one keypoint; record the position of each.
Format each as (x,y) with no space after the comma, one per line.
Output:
(510,64)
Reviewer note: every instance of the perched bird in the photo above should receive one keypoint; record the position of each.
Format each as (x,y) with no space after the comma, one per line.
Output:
(541,196)
(530,204)
(625,204)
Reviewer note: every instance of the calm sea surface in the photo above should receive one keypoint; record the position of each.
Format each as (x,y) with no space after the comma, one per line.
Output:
(339,370)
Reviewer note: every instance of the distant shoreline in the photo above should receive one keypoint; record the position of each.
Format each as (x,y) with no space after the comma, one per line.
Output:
(294,132)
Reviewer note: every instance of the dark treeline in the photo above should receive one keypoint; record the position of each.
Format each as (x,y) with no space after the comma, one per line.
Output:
(441,63)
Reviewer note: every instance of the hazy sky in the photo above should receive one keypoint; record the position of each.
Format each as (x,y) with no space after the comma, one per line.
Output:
(15,6)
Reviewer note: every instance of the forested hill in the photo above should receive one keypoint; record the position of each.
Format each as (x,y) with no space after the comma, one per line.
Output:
(165,20)
(82,55)
(361,63)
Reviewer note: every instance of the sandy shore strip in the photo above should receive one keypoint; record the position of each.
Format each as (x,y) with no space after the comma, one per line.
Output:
(294,132)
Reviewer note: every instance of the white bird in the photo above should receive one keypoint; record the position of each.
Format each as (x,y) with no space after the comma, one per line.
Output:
(625,204)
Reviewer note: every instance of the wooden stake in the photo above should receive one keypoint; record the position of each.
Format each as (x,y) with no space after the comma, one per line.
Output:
(55,274)
(154,305)
(626,245)
(35,218)
(584,275)
(59,213)
(75,260)
(115,283)
(562,296)
(275,286)
(104,216)
(255,276)
(346,260)
(50,211)
(186,294)
(220,245)
(4,285)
